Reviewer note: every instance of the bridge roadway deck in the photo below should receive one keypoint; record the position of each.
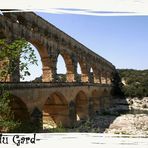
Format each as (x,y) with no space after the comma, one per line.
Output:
(21,85)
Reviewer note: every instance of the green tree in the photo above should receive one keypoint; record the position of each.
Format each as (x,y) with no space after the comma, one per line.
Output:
(7,122)
(11,52)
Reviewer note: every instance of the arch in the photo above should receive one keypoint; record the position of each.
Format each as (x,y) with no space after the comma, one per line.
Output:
(79,72)
(55,111)
(96,67)
(96,100)
(18,74)
(84,69)
(19,109)
(18,31)
(34,77)
(70,65)
(61,61)
(97,75)
(45,63)
(91,77)
(81,102)
(70,70)
(78,68)
(61,69)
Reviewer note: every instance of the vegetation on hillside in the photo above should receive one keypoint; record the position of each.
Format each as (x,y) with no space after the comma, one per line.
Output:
(134,82)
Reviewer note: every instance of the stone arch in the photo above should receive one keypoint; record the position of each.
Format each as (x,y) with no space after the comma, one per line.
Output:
(44,35)
(17,32)
(15,76)
(84,69)
(97,76)
(34,77)
(78,68)
(91,75)
(81,101)
(55,111)
(96,72)
(69,64)
(79,72)
(61,69)
(46,61)
(19,108)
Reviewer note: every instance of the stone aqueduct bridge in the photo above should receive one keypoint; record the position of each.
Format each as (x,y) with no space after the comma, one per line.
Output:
(59,103)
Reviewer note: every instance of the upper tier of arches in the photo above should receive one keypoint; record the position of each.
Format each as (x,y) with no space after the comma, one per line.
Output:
(52,42)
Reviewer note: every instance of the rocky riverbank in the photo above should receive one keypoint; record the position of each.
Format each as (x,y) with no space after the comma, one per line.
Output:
(131,124)
(126,116)
(135,121)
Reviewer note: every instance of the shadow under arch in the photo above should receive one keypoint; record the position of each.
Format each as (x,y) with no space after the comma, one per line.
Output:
(96,101)
(105,100)
(19,109)
(81,101)
(55,111)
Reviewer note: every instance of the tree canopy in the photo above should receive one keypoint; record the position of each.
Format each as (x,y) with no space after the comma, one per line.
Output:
(135,82)
(14,55)
(13,52)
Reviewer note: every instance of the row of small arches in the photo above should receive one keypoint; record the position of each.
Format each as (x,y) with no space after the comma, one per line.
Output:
(61,69)
(55,110)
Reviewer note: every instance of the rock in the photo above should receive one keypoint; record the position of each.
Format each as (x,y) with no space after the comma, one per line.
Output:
(129,124)
(125,116)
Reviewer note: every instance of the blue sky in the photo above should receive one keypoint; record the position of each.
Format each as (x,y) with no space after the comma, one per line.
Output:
(122,40)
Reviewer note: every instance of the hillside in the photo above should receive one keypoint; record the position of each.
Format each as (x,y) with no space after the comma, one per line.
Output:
(134,82)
